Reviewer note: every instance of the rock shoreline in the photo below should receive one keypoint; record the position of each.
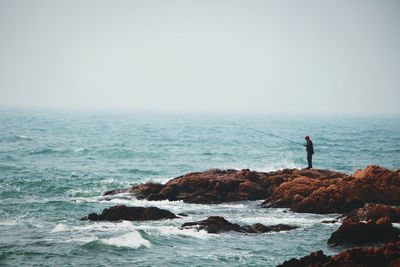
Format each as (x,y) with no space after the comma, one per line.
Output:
(367,199)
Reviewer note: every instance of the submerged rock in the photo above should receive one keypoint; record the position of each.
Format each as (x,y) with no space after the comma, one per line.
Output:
(360,233)
(217,186)
(217,224)
(122,212)
(321,195)
(389,255)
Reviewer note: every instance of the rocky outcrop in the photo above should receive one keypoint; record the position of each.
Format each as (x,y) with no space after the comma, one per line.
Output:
(312,191)
(217,186)
(373,212)
(317,259)
(322,195)
(361,233)
(217,224)
(122,212)
(387,256)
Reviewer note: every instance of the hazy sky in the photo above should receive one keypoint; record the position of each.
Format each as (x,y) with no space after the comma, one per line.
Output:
(235,56)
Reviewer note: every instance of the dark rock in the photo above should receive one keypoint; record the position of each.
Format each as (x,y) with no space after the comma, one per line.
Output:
(359,233)
(116,191)
(217,224)
(387,256)
(329,221)
(316,259)
(122,212)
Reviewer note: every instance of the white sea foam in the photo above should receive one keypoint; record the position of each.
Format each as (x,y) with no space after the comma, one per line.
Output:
(94,227)
(24,137)
(131,240)
(82,149)
(84,239)
(304,220)
(171,230)
(9,222)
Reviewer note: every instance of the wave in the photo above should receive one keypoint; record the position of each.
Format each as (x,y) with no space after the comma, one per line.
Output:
(130,240)
(283,216)
(24,137)
(139,171)
(171,230)
(94,227)
(44,151)
(82,149)
(54,151)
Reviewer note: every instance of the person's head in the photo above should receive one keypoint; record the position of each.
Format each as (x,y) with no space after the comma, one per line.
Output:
(307,138)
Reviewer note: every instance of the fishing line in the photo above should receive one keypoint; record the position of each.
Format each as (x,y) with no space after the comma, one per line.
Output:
(265,133)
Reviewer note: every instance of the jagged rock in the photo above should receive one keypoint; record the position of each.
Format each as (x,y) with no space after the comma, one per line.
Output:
(374,212)
(122,212)
(323,195)
(387,256)
(217,224)
(217,186)
(360,233)
(315,259)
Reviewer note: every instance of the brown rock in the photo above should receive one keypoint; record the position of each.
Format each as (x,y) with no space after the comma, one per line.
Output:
(374,212)
(326,195)
(122,212)
(217,186)
(387,256)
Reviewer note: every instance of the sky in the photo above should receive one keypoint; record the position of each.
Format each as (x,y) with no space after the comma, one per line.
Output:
(311,56)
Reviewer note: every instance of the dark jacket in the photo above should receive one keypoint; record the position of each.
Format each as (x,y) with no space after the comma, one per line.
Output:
(309,147)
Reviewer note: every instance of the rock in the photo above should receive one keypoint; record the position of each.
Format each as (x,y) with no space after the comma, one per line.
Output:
(116,191)
(316,259)
(329,221)
(217,186)
(122,212)
(324,195)
(389,256)
(360,233)
(374,212)
(217,224)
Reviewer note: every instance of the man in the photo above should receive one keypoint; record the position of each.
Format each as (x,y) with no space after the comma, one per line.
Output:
(310,151)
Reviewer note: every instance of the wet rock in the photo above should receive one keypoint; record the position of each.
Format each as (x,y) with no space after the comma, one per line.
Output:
(325,195)
(329,221)
(116,191)
(316,259)
(360,233)
(217,224)
(122,212)
(374,212)
(387,256)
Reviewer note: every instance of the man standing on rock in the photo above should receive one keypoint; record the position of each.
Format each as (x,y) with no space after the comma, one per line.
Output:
(310,151)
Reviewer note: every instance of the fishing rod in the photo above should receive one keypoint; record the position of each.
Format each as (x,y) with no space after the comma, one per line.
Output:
(266,133)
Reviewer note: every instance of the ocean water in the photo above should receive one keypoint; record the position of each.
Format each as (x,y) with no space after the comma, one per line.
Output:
(54,167)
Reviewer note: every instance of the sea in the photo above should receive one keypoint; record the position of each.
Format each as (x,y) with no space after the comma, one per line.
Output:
(55,165)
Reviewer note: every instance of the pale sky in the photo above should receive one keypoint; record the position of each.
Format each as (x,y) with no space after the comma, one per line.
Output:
(339,56)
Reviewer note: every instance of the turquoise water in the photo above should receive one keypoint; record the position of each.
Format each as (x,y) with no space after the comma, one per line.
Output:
(54,167)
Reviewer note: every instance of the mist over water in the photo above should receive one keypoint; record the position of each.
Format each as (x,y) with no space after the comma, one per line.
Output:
(54,166)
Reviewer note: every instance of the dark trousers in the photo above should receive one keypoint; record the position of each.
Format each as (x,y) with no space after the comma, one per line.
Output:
(309,160)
